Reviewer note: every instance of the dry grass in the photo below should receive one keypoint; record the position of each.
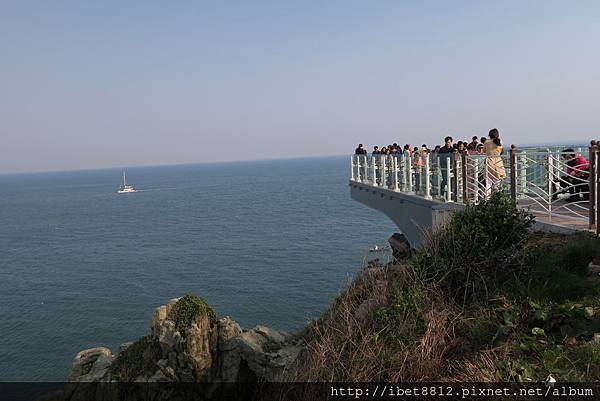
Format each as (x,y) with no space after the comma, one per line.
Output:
(481,369)
(340,344)
(349,344)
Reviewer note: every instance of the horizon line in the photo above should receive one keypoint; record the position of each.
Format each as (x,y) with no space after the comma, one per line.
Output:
(169,164)
(73,170)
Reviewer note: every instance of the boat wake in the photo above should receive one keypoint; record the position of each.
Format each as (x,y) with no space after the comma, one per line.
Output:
(155,189)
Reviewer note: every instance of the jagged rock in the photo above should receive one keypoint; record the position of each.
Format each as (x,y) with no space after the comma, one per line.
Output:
(401,248)
(201,346)
(158,316)
(208,351)
(263,351)
(283,360)
(90,364)
(271,335)
(166,335)
(124,346)
(228,330)
(229,357)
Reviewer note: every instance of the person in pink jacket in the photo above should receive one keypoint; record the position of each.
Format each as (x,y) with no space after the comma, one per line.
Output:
(575,182)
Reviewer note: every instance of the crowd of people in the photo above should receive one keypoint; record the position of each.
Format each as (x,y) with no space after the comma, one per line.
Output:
(573,184)
(476,146)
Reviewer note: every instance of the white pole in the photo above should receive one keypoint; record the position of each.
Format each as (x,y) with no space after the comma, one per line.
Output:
(458,177)
(550,175)
(352,167)
(427,177)
(419,165)
(373,171)
(395,166)
(359,168)
(476,178)
(404,174)
(383,177)
(410,178)
(448,182)
(438,177)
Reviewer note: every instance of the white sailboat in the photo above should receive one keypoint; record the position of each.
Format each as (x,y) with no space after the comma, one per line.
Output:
(124,189)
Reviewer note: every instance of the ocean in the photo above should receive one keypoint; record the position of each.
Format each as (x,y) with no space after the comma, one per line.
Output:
(265,242)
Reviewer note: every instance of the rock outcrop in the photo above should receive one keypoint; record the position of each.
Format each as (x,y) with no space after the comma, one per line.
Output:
(91,364)
(401,248)
(186,343)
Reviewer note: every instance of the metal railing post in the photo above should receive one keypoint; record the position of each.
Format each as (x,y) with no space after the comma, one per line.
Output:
(465,195)
(409,170)
(535,170)
(594,265)
(476,179)
(365,160)
(419,187)
(448,181)
(593,155)
(550,182)
(395,166)
(438,176)
(352,167)
(427,177)
(403,171)
(454,183)
(382,176)
(373,171)
(596,260)
(523,173)
(513,172)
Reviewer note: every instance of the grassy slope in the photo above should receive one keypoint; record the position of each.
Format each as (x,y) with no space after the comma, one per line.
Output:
(513,307)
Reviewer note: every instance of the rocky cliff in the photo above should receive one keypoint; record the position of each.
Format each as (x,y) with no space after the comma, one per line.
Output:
(187,343)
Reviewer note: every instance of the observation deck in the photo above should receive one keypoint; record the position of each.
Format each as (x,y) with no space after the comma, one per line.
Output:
(419,192)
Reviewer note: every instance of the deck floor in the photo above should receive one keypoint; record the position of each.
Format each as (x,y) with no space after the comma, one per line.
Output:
(574,215)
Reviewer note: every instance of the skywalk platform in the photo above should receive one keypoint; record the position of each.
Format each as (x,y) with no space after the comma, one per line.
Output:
(420,192)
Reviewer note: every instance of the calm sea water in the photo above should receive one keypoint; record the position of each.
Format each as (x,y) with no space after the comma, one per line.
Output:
(81,266)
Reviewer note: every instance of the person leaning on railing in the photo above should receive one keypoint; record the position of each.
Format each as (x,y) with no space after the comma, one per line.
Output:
(494,166)
(360,150)
(575,183)
(446,153)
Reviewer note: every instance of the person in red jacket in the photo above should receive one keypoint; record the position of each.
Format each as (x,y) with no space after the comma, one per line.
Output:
(575,182)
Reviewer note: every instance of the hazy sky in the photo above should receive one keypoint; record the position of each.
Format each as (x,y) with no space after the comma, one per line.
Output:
(87,84)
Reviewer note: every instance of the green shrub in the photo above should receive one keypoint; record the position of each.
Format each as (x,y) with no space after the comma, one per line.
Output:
(139,359)
(478,248)
(557,269)
(403,319)
(187,308)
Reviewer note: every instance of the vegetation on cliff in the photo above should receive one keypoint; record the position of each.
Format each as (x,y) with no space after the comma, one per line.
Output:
(483,300)
(138,359)
(187,308)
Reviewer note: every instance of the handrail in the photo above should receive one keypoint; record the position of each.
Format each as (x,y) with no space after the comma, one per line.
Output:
(540,179)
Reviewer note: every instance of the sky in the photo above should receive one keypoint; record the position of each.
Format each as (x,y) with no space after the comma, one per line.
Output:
(88,84)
